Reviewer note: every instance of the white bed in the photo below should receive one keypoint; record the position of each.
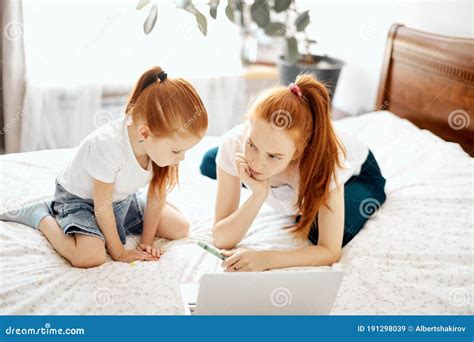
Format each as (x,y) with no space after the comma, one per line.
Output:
(415,256)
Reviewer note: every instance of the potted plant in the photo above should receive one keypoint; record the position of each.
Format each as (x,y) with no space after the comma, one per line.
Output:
(278,19)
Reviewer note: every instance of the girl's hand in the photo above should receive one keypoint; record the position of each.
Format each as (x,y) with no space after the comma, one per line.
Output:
(258,187)
(245,260)
(131,255)
(149,249)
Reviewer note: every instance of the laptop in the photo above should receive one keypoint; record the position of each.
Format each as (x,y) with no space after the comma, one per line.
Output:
(262,293)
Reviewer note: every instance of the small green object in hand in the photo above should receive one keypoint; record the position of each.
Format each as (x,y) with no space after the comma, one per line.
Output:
(211,250)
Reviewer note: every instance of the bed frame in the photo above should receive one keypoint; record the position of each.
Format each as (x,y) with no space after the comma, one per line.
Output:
(429,80)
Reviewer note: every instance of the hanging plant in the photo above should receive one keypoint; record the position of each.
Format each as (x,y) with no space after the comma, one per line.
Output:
(264,13)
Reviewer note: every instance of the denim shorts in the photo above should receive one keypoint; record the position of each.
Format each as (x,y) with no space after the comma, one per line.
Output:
(76,215)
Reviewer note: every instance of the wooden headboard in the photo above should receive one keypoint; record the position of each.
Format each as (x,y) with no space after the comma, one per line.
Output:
(429,80)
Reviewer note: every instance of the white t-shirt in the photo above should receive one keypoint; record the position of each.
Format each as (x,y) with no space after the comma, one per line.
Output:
(106,154)
(283,198)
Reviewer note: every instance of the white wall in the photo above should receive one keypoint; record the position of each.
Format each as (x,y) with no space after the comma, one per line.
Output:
(111,49)
(356,31)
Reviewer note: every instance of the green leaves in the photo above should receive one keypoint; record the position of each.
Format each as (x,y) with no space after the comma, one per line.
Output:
(142,3)
(200,18)
(202,23)
(260,12)
(276,30)
(150,20)
(281,5)
(302,21)
(213,8)
(239,4)
(229,12)
(292,53)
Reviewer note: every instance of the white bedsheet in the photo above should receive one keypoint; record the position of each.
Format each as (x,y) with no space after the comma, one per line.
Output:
(415,256)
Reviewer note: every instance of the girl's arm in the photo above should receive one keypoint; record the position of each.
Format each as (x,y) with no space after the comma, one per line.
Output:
(105,218)
(151,219)
(231,222)
(331,231)
(326,252)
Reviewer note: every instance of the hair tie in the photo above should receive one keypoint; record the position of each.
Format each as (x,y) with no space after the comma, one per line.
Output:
(296,90)
(162,76)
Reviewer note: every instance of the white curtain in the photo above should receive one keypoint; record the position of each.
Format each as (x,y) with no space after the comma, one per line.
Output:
(13,71)
(60,117)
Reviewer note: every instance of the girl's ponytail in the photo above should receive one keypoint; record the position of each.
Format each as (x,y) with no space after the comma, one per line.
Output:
(147,78)
(170,107)
(303,110)
(320,155)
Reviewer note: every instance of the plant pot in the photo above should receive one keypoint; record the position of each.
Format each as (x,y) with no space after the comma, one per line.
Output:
(326,70)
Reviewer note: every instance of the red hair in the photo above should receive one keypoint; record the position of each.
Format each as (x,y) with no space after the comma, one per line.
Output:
(307,120)
(168,107)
